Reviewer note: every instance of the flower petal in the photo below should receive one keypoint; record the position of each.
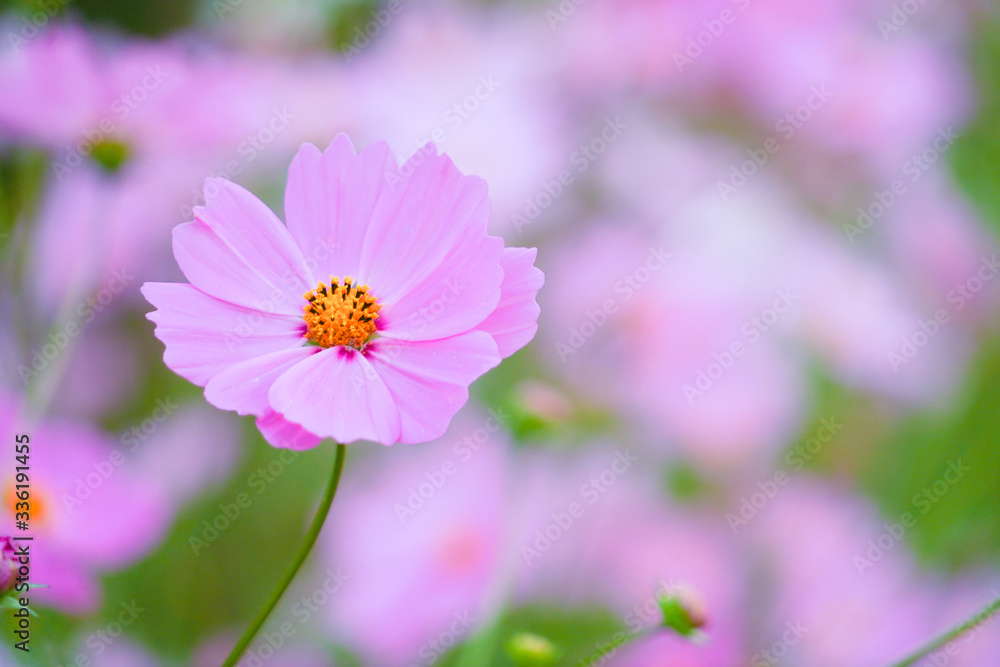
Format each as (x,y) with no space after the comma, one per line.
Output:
(329,200)
(458,295)
(337,394)
(429,380)
(280,432)
(514,322)
(204,336)
(238,251)
(427,210)
(244,387)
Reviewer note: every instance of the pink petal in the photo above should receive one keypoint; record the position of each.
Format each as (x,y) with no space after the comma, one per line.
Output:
(204,336)
(337,394)
(458,295)
(238,251)
(329,199)
(244,387)
(280,432)
(69,586)
(514,322)
(426,211)
(429,380)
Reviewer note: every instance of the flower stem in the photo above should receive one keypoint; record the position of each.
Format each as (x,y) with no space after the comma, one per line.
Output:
(952,634)
(300,557)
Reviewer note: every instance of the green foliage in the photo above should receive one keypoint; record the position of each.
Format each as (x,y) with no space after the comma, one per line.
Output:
(975,157)
(957,523)
(580,634)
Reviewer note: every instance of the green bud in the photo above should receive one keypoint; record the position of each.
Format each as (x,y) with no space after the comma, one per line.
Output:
(110,154)
(683,611)
(531,650)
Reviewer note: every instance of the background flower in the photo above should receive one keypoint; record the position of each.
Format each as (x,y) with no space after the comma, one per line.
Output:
(767,333)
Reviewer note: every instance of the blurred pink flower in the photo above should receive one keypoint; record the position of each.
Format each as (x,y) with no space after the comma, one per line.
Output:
(107,233)
(88,507)
(420,539)
(166,99)
(884,97)
(937,244)
(492,108)
(103,351)
(652,304)
(844,89)
(170,452)
(60,87)
(446,300)
(961,599)
(120,652)
(843,576)
(654,321)
(596,530)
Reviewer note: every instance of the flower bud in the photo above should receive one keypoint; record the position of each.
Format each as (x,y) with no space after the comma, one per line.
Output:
(530,650)
(8,565)
(683,610)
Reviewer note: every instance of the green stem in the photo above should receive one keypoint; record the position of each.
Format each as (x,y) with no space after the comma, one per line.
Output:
(300,557)
(953,634)
(639,635)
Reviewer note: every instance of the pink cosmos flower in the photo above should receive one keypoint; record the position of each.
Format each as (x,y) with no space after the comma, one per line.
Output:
(420,541)
(367,317)
(91,509)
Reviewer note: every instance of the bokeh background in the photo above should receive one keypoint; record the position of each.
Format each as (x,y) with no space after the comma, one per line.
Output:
(767,370)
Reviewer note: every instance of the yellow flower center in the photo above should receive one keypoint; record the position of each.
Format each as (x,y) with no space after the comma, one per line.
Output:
(37,505)
(340,314)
